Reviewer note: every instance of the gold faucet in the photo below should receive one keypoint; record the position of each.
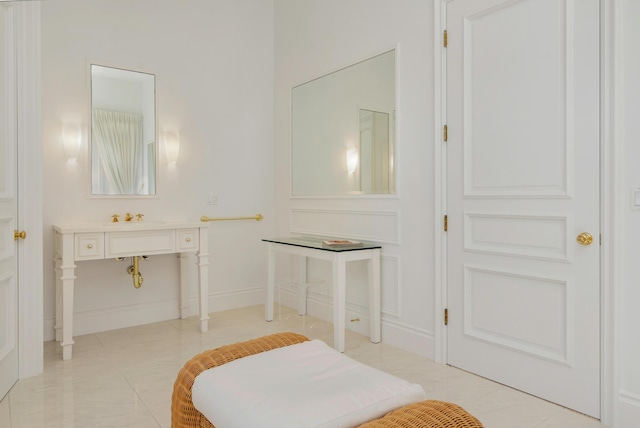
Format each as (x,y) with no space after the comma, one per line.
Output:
(128,217)
(139,217)
(115,218)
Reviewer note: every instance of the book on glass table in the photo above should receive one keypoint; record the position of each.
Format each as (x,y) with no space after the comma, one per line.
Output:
(337,243)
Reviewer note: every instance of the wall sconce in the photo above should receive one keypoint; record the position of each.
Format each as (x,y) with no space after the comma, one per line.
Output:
(352,160)
(71,140)
(171,147)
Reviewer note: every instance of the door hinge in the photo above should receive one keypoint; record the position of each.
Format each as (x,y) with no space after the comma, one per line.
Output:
(446,223)
(446,316)
(445,133)
(444,38)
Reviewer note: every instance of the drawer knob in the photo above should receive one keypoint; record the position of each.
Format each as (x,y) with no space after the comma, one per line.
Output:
(188,239)
(89,246)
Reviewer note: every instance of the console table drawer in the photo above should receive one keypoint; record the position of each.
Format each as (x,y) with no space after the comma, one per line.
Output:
(188,239)
(123,244)
(89,246)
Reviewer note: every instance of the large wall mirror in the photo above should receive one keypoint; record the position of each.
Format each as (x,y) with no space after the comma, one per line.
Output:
(123,132)
(343,131)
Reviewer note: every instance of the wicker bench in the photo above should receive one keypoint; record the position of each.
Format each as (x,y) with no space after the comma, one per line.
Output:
(430,413)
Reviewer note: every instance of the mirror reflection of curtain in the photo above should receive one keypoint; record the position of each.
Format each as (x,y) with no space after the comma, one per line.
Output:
(376,174)
(118,139)
(151,160)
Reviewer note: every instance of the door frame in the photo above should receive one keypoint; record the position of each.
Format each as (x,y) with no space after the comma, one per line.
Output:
(612,201)
(30,216)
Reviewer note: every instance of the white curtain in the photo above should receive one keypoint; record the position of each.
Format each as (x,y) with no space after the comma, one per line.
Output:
(151,161)
(118,139)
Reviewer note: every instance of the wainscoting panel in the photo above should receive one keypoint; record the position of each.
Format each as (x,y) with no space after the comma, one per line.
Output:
(378,226)
(390,285)
(629,409)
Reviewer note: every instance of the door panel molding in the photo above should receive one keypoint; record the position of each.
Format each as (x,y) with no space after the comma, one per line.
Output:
(548,336)
(484,45)
(519,235)
(7,333)
(7,180)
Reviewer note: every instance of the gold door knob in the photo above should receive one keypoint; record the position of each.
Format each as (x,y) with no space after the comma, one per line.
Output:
(21,235)
(584,238)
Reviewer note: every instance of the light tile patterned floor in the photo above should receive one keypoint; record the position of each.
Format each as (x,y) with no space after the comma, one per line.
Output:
(124,378)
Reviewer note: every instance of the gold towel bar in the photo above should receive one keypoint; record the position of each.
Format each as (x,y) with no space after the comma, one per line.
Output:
(257,217)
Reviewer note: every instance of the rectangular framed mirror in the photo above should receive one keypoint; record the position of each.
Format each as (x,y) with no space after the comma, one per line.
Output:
(343,131)
(123,132)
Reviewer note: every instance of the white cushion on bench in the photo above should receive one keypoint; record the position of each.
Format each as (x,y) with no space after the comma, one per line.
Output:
(304,385)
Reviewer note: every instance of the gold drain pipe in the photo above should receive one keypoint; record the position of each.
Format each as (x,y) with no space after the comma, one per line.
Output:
(135,272)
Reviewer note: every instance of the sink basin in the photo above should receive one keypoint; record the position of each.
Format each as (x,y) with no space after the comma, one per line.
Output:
(136,223)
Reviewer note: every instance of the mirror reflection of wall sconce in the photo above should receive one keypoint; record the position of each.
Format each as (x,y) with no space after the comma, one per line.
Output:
(352,160)
(71,139)
(171,147)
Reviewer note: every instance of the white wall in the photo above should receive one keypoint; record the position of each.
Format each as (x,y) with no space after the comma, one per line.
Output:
(213,61)
(331,34)
(317,37)
(628,350)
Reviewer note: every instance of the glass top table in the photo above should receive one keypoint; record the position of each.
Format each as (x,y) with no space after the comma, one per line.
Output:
(338,254)
(326,244)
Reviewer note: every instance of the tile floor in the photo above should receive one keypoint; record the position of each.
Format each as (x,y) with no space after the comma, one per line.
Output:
(124,378)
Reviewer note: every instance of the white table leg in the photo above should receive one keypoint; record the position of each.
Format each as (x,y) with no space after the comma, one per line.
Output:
(57,262)
(68,279)
(374,296)
(203,279)
(271,279)
(185,277)
(339,296)
(301,282)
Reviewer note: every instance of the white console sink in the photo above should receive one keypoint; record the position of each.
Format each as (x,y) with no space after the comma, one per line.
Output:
(80,242)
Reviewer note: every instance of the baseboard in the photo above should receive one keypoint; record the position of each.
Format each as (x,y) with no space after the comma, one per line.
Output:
(106,319)
(628,413)
(409,338)
(49,330)
(394,333)
(128,316)
(231,300)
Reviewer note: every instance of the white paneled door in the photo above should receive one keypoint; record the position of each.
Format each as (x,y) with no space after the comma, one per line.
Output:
(8,205)
(523,114)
